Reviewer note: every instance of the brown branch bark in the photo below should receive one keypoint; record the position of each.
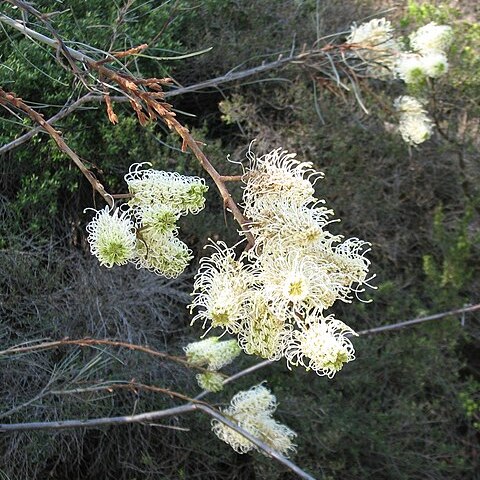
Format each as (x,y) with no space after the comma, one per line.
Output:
(131,386)
(11,99)
(90,342)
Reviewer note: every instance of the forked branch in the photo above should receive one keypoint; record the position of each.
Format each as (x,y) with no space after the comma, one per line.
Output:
(11,99)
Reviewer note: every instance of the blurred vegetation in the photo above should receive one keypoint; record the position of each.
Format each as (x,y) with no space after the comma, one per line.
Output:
(407,408)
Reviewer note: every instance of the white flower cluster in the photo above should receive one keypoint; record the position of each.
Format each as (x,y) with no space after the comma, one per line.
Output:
(252,411)
(214,355)
(428,57)
(374,43)
(415,124)
(145,230)
(274,296)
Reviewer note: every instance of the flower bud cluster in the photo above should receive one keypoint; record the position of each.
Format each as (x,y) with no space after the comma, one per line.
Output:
(214,355)
(275,295)
(144,231)
(252,410)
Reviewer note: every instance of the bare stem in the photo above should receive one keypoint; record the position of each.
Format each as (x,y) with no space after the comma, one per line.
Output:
(90,342)
(11,99)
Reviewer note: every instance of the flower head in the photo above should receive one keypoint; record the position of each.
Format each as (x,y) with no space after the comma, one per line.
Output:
(252,411)
(210,381)
(292,225)
(410,68)
(259,400)
(376,46)
(276,176)
(377,31)
(212,353)
(435,64)
(293,280)
(413,68)
(262,331)
(112,237)
(162,254)
(235,439)
(160,219)
(348,259)
(185,194)
(220,288)
(432,38)
(321,345)
(415,125)
(275,434)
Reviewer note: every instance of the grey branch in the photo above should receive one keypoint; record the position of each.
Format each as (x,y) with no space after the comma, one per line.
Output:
(150,417)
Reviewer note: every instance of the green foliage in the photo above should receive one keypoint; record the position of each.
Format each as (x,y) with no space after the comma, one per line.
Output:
(470,399)
(452,265)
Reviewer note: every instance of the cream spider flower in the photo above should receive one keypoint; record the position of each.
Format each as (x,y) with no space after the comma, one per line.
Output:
(160,219)
(435,64)
(415,129)
(277,175)
(262,331)
(236,440)
(379,47)
(210,381)
(164,255)
(275,434)
(258,400)
(293,225)
(220,289)
(182,193)
(212,353)
(112,237)
(377,31)
(409,105)
(432,38)
(292,280)
(348,259)
(320,345)
(415,125)
(410,67)
(413,68)
(252,411)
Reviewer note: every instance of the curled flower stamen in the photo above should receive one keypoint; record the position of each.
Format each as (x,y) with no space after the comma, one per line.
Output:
(112,237)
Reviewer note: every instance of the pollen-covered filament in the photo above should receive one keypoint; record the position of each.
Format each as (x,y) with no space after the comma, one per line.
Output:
(296,288)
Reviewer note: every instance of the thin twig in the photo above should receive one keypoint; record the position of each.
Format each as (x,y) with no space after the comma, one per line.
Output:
(89,342)
(132,386)
(97,422)
(66,110)
(148,418)
(11,99)
(231,178)
(416,321)
(267,449)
